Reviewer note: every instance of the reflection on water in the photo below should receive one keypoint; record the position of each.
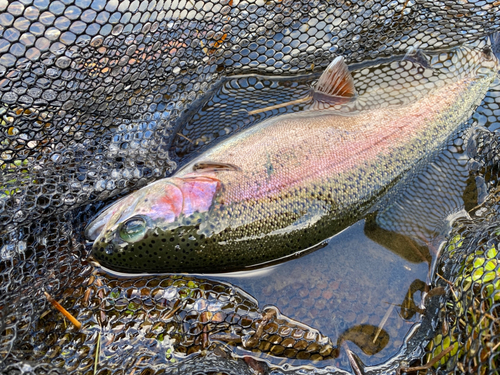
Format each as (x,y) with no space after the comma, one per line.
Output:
(353,281)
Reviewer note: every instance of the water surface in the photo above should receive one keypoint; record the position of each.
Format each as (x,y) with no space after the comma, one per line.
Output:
(352,281)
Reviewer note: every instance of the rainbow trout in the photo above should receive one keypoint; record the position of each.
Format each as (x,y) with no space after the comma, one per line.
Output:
(283,186)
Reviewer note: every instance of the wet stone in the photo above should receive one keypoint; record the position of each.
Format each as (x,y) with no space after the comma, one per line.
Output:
(277,350)
(275,339)
(300,345)
(284,331)
(288,342)
(327,294)
(290,353)
(265,346)
(315,293)
(312,348)
(303,355)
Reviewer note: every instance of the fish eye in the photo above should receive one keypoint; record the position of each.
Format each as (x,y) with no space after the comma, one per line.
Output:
(133,230)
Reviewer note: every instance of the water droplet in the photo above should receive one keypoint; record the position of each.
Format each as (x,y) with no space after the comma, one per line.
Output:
(109,249)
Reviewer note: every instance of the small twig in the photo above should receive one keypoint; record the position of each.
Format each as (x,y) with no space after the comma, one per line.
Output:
(404,7)
(183,136)
(437,291)
(281,105)
(450,284)
(204,336)
(254,340)
(429,364)
(63,311)
(490,317)
(492,195)
(136,366)
(177,306)
(86,296)
(88,291)
(226,337)
(97,352)
(442,278)
(495,347)
(100,294)
(445,327)
(44,314)
(352,361)
(382,323)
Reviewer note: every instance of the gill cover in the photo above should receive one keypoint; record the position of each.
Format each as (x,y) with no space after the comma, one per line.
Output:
(154,206)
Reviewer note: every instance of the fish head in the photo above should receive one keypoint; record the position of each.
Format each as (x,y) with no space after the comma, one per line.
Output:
(164,204)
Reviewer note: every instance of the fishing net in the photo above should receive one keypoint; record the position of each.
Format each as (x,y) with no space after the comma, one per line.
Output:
(98,98)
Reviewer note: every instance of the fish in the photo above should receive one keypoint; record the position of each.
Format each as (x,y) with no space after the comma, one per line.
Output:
(282,187)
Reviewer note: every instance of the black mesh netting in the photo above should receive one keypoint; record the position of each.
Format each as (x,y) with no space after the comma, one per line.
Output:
(101,97)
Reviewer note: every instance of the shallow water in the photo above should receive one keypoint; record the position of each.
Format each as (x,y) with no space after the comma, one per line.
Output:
(352,281)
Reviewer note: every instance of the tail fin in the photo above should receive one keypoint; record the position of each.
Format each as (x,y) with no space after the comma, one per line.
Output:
(495,44)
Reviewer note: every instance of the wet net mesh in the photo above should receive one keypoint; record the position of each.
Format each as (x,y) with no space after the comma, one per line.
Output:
(96,100)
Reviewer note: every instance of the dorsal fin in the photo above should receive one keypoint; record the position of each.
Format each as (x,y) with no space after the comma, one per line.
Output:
(335,86)
(214,166)
(336,80)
